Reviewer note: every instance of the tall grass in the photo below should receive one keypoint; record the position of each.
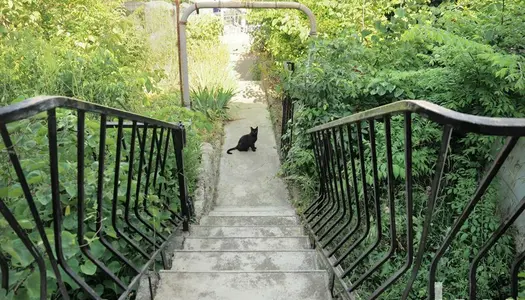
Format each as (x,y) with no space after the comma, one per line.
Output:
(209,66)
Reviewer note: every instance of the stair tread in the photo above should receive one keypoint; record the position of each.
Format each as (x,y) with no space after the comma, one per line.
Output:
(255,243)
(249,220)
(270,213)
(233,285)
(243,260)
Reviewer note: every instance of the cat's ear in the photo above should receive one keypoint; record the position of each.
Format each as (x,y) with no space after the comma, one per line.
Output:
(252,128)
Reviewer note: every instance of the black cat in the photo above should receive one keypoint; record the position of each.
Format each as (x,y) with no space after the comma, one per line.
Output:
(247,141)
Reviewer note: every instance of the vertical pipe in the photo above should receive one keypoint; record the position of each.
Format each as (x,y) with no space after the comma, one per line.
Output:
(177,25)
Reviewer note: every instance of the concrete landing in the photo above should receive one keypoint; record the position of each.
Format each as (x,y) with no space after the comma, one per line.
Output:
(250,178)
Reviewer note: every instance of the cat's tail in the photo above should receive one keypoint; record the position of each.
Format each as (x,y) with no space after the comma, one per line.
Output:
(234,148)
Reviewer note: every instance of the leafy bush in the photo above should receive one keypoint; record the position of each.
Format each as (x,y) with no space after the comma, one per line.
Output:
(204,28)
(212,102)
(90,50)
(465,56)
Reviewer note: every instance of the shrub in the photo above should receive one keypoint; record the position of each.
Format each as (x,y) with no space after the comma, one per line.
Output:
(212,101)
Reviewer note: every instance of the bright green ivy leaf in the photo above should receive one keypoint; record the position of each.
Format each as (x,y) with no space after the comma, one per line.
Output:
(88,268)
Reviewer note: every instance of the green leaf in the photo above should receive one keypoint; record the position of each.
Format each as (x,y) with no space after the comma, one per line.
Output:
(88,268)
(398,92)
(97,249)
(365,33)
(20,256)
(32,285)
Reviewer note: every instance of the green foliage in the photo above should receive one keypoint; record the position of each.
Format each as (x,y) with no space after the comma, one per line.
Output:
(204,28)
(465,55)
(212,102)
(90,50)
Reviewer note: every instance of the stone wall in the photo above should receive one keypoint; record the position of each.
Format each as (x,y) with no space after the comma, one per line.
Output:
(511,179)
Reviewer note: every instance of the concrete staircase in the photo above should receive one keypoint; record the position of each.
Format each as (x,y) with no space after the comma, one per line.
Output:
(251,245)
(247,253)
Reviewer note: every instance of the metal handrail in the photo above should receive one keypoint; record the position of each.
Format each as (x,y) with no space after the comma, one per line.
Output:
(345,218)
(156,142)
(438,114)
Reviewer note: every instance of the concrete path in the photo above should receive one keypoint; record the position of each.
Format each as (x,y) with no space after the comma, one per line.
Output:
(251,245)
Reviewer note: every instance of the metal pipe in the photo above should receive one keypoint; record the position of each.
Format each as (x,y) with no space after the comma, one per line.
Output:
(228,4)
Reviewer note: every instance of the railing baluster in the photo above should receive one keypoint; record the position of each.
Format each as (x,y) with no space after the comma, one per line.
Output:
(365,200)
(514,270)
(324,196)
(4,268)
(333,186)
(341,200)
(84,246)
(115,201)
(33,250)
(483,185)
(128,196)
(377,202)
(327,155)
(409,209)
(137,194)
(356,196)
(57,207)
(314,206)
(504,226)
(178,145)
(32,207)
(431,203)
(167,203)
(158,160)
(348,191)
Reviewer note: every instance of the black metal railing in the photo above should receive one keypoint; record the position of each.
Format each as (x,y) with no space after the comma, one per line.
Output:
(287,117)
(367,211)
(286,125)
(90,198)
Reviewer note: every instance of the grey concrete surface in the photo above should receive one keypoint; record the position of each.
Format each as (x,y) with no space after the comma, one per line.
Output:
(224,208)
(246,243)
(251,245)
(245,231)
(250,178)
(224,285)
(249,221)
(202,261)
(282,213)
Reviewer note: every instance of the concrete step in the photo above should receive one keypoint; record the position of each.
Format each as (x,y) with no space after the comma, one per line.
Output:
(271,285)
(245,231)
(246,244)
(253,208)
(274,213)
(248,221)
(202,261)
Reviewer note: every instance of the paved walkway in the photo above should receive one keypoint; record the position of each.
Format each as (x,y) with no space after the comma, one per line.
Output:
(251,245)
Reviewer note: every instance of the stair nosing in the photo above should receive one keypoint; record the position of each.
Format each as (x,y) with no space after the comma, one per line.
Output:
(245,237)
(243,272)
(263,226)
(246,251)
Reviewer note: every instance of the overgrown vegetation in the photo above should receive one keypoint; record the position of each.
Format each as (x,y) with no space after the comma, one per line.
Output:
(94,51)
(465,55)
(212,102)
